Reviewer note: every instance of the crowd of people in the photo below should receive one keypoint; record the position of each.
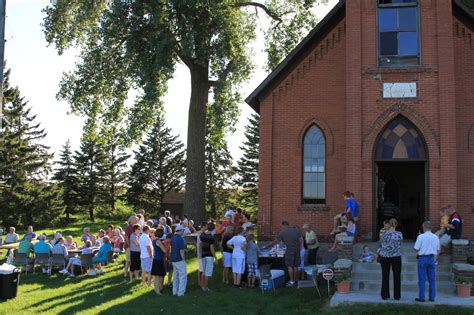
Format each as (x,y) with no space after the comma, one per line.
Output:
(155,248)
(102,243)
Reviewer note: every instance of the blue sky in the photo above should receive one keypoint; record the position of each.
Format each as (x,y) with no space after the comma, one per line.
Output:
(37,70)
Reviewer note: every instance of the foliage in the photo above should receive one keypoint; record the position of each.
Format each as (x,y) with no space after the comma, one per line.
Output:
(88,160)
(65,176)
(219,171)
(159,168)
(122,210)
(469,3)
(25,197)
(113,169)
(343,277)
(137,44)
(463,280)
(247,166)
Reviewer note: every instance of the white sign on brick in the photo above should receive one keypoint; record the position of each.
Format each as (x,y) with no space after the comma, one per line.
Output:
(399,90)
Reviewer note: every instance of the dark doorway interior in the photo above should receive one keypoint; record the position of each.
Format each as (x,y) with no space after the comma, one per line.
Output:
(400,194)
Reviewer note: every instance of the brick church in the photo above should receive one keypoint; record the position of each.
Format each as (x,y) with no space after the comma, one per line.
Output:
(377,100)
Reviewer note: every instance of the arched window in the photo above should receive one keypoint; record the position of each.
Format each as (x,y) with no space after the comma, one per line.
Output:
(400,140)
(314,166)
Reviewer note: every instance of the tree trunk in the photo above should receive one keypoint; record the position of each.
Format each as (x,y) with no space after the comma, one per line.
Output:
(194,201)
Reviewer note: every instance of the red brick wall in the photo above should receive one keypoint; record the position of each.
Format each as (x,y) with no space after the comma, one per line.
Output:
(311,93)
(340,89)
(464,79)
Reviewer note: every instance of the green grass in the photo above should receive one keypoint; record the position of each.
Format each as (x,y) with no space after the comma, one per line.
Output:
(112,294)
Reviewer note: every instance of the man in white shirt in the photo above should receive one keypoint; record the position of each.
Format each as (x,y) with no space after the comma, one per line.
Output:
(146,254)
(428,247)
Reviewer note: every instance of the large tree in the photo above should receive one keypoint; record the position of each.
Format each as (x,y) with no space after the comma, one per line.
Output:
(219,170)
(25,195)
(113,169)
(65,175)
(137,43)
(159,168)
(88,160)
(247,166)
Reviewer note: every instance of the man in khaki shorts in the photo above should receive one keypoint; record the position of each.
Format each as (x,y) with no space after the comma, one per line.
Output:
(128,231)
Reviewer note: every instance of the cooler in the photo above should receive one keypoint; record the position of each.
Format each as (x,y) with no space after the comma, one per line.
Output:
(278,277)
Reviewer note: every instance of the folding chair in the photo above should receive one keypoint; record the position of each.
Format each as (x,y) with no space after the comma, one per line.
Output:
(86,261)
(41,260)
(22,260)
(265,276)
(57,260)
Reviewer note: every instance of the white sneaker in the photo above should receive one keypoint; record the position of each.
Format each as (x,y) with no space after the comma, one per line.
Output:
(63,271)
(100,272)
(70,275)
(92,272)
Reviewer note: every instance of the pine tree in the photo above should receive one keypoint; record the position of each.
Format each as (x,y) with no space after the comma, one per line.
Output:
(159,168)
(65,175)
(247,166)
(24,195)
(90,181)
(113,170)
(219,170)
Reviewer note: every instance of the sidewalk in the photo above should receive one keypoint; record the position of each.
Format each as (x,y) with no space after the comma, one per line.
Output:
(407,298)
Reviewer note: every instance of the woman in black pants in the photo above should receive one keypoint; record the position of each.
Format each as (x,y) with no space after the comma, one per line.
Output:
(391,257)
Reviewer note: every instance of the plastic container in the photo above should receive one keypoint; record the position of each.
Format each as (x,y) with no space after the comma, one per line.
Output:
(9,280)
(278,277)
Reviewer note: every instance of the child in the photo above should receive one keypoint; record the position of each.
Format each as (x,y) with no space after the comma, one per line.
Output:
(349,231)
(237,243)
(386,226)
(368,256)
(118,241)
(94,241)
(252,260)
(443,222)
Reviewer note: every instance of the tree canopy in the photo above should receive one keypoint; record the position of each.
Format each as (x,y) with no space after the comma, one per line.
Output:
(138,43)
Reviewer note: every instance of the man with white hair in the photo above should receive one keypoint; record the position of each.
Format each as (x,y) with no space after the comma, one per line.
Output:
(428,247)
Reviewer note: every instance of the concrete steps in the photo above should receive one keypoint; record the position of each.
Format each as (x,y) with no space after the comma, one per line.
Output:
(367,277)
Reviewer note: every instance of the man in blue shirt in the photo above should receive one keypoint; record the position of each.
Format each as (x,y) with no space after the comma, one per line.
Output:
(42,247)
(179,262)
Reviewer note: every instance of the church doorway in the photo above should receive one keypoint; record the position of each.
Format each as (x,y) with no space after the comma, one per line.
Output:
(400,178)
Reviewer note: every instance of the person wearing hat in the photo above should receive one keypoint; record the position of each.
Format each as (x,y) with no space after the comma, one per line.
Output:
(179,262)
(428,247)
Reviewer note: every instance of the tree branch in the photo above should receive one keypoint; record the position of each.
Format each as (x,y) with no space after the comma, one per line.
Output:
(269,12)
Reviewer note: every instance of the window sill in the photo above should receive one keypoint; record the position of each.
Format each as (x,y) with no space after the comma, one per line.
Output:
(314,207)
(398,69)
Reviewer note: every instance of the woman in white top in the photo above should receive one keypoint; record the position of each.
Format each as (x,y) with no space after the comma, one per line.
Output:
(237,243)
(10,238)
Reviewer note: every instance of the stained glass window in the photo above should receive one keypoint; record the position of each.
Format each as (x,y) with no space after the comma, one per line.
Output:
(400,140)
(314,166)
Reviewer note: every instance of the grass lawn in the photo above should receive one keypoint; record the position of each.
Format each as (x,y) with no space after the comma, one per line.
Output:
(112,294)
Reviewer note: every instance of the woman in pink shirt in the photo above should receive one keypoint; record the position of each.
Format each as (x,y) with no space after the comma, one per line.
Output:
(118,241)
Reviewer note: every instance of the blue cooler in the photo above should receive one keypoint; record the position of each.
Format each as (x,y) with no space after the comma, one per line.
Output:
(278,277)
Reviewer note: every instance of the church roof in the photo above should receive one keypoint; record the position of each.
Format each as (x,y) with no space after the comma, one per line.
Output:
(460,9)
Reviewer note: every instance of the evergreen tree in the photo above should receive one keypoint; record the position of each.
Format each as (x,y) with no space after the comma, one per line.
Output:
(24,196)
(65,175)
(113,170)
(219,170)
(247,166)
(88,161)
(159,168)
